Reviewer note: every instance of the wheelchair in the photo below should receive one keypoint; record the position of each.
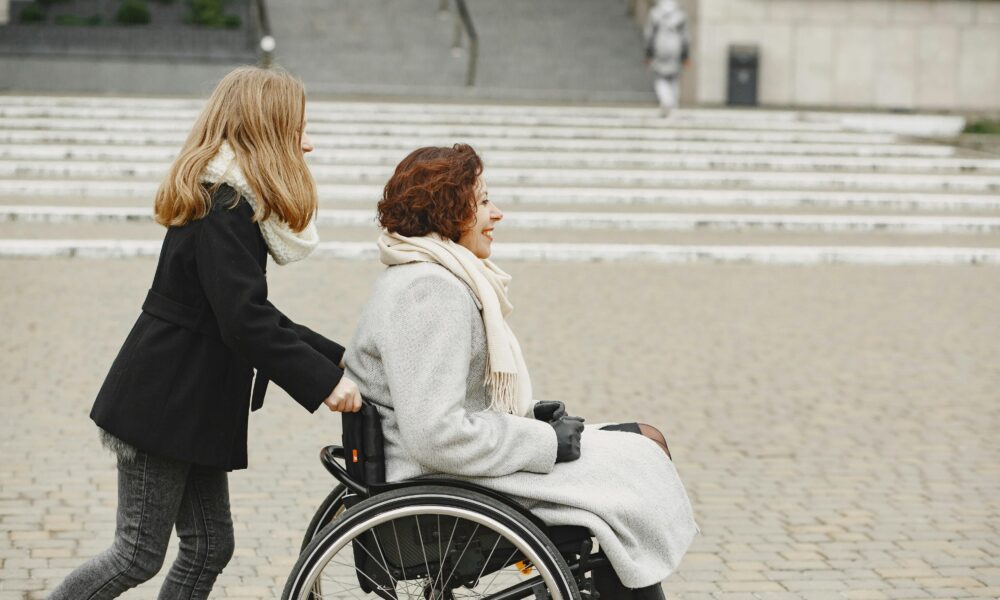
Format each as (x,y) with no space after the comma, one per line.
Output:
(432,537)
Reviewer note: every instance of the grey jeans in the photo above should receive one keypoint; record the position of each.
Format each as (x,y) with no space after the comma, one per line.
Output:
(154,495)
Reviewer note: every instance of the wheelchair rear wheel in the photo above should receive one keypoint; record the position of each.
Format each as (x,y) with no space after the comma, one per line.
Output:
(431,543)
(331,508)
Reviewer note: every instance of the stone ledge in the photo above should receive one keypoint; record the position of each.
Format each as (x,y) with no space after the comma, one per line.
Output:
(643,253)
(514,196)
(577,220)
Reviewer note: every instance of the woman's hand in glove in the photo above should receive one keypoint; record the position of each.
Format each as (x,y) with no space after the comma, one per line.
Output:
(568,432)
(549,410)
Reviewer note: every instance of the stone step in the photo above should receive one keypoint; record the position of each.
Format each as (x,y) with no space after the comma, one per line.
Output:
(925,126)
(548,252)
(339,201)
(505,234)
(173,140)
(500,176)
(184,118)
(920,125)
(461,131)
(539,220)
(575,160)
(28,191)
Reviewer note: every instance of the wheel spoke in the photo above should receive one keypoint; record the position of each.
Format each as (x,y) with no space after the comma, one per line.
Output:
(355,546)
(497,574)
(423,547)
(437,579)
(399,550)
(363,574)
(487,561)
(462,555)
(382,555)
(384,566)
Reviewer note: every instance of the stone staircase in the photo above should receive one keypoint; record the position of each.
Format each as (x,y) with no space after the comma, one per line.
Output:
(562,50)
(77,178)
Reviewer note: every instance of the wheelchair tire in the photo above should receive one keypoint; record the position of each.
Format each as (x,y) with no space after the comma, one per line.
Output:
(329,510)
(338,562)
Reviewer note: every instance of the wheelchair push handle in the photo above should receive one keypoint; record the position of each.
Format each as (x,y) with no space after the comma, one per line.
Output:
(329,457)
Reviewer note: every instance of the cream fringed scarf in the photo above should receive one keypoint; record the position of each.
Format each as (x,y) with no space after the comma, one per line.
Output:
(284,245)
(506,373)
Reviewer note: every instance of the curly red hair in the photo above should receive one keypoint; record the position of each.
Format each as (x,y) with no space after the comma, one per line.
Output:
(433,190)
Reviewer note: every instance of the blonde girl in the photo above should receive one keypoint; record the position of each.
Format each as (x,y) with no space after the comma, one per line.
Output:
(175,404)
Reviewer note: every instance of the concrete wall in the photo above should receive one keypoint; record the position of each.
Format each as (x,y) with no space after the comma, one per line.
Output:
(908,54)
(87,76)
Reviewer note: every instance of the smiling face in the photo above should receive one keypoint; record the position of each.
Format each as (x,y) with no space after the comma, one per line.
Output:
(478,238)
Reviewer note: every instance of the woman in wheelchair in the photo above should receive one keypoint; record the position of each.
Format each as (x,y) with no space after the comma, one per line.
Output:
(434,354)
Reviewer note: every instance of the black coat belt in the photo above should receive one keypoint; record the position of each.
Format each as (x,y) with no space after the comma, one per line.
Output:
(201,321)
(198,320)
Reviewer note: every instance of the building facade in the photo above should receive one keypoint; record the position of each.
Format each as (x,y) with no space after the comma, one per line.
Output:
(888,54)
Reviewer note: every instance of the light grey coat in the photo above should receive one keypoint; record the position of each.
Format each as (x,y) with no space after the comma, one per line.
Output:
(666,37)
(419,354)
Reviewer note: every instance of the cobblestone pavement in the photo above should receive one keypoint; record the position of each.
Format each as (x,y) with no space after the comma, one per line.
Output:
(835,426)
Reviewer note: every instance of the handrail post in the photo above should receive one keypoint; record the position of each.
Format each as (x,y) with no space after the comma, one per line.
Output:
(456,38)
(470,30)
(266,42)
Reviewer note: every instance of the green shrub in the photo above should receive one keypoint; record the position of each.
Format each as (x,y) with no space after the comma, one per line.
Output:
(90,21)
(983,126)
(206,12)
(32,13)
(211,13)
(48,3)
(133,12)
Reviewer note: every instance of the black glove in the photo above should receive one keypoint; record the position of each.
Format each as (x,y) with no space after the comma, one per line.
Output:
(568,431)
(549,410)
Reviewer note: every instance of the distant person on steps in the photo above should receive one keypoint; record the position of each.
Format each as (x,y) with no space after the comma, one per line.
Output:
(667,47)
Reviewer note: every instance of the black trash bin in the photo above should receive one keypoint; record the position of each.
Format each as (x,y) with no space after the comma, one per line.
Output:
(744,61)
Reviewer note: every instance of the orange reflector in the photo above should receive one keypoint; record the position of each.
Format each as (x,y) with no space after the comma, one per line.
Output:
(354,455)
(524,567)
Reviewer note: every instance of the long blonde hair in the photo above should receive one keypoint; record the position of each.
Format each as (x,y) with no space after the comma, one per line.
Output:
(261,113)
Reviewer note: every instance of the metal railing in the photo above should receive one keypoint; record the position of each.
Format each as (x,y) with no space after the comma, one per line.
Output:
(266,42)
(463,21)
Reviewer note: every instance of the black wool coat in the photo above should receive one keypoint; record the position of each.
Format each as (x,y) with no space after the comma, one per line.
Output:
(183,383)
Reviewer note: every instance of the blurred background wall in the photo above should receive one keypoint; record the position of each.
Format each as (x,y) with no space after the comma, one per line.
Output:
(890,54)
(919,55)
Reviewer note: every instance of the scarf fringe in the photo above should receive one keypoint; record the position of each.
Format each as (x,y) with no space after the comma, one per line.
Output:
(504,389)
(503,392)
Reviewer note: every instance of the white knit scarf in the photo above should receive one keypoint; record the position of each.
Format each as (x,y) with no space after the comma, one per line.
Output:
(284,245)
(506,372)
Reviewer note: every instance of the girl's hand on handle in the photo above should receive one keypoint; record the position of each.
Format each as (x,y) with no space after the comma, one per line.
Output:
(346,397)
